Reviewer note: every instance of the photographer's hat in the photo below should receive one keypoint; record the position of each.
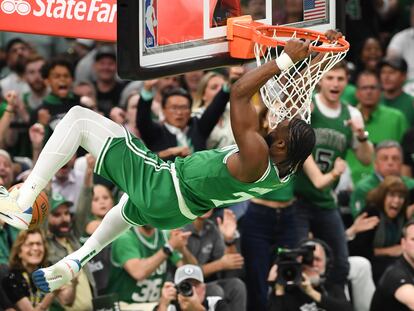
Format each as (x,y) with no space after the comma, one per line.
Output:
(187,272)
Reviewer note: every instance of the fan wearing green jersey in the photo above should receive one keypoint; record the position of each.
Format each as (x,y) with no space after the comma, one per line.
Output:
(164,194)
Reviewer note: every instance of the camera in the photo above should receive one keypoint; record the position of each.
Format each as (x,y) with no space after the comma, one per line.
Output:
(184,288)
(289,264)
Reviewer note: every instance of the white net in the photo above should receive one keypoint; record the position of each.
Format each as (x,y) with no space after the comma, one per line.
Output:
(289,94)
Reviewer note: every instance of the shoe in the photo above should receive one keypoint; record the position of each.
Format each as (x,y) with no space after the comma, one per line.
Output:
(10,211)
(52,278)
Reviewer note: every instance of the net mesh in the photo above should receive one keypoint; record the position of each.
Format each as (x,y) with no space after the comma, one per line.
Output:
(289,94)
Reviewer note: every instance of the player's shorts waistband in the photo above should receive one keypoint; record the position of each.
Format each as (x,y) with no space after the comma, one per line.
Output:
(181,202)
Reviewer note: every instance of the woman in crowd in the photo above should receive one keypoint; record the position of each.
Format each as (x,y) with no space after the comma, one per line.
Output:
(382,243)
(29,252)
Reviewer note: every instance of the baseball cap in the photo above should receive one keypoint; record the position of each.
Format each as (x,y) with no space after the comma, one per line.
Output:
(187,272)
(105,51)
(58,200)
(397,63)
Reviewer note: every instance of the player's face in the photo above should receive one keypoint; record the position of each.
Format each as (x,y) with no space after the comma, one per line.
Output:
(6,171)
(393,204)
(368,90)
(33,75)
(32,250)
(60,81)
(392,79)
(332,85)
(388,161)
(212,88)
(102,201)
(177,111)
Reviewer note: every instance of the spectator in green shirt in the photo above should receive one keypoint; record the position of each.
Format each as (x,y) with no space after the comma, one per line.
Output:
(393,75)
(388,161)
(381,122)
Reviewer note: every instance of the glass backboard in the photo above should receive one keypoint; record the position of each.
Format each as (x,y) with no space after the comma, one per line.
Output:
(165,37)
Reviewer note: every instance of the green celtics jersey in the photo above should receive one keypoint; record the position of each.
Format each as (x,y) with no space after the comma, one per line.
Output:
(132,244)
(283,194)
(206,182)
(333,139)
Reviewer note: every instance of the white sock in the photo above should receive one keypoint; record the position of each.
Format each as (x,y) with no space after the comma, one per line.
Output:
(29,191)
(112,226)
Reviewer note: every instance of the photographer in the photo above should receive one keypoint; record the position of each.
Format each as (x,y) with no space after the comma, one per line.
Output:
(300,283)
(188,293)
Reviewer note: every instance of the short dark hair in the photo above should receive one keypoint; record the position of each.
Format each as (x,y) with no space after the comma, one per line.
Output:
(405,228)
(14,41)
(47,68)
(367,73)
(175,91)
(341,65)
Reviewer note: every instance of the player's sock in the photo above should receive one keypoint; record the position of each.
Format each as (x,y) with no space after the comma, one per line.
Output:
(29,191)
(53,277)
(112,226)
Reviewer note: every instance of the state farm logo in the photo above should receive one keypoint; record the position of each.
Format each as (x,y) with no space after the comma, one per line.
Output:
(22,7)
(93,10)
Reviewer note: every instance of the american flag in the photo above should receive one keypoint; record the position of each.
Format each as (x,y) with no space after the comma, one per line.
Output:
(314,9)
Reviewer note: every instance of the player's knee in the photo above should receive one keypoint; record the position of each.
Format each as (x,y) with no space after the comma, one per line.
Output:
(76,112)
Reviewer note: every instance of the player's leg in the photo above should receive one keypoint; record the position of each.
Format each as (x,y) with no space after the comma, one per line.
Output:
(113,224)
(79,127)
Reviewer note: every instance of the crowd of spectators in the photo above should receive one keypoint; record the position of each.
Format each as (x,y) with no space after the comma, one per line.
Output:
(351,207)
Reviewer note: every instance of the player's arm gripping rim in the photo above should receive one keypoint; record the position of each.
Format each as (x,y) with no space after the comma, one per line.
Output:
(252,160)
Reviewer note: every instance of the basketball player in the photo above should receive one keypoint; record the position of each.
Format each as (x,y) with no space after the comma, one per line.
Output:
(165,194)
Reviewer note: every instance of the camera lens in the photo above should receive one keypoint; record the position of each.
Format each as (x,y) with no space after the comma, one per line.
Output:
(185,289)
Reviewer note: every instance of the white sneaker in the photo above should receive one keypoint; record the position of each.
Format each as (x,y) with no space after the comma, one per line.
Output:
(53,277)
(10,211)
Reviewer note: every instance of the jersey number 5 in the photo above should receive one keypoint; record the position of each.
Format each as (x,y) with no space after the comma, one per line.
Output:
(324,158)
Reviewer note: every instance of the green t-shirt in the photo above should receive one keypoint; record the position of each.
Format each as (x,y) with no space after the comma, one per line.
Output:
(131,245)
(333,139)
(348,96)
(385,123)
(7,236)
(366,184)
(404,103)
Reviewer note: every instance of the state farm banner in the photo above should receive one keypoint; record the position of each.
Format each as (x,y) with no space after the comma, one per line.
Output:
(90,19)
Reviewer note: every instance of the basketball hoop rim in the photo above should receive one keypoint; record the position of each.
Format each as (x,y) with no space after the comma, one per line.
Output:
(262,38)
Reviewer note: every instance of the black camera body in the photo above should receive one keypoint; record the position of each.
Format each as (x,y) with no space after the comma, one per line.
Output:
(184,288)
(290,264)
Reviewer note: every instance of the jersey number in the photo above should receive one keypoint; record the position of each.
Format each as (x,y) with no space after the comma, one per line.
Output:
(324,158)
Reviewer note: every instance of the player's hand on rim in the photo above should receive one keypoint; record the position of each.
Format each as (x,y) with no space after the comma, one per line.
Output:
(297,49)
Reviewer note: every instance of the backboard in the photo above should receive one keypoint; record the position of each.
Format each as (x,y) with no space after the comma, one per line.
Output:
(166,37)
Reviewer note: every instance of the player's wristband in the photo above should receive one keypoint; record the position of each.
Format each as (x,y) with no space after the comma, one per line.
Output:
(284,62)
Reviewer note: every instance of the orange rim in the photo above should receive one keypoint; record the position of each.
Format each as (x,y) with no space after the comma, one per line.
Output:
(264,35)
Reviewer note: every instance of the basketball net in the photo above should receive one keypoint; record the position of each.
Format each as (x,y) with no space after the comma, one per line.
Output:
(289,94)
